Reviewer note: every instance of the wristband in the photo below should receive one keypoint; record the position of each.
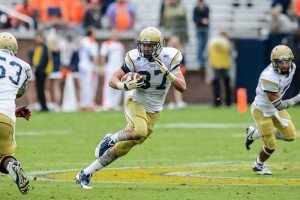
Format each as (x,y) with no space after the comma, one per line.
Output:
(170,77)
(122,86)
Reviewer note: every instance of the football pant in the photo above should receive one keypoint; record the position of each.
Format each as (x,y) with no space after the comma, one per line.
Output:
(266,127)
(142,123)
(7,139)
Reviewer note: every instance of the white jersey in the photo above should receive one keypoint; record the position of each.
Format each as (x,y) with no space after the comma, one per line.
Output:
(88,50)
(271,81)
(14,72)
(114,51)
(154,90)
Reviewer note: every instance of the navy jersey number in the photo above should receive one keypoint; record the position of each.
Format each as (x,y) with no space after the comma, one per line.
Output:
(15,80)
(147,78)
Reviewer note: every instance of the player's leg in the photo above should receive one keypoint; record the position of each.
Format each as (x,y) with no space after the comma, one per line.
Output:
(266,129)
(118,144)
(251,131)
(216,87)
(287,133)
(94,79)
(107,97)
(227,87)
(8,164)
(136,129)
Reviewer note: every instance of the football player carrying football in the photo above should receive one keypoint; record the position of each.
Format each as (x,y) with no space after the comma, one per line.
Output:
(269,110)
(159,67)
(14,73)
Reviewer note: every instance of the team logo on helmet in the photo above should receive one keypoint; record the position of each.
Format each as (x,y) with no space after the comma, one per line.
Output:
(8,42)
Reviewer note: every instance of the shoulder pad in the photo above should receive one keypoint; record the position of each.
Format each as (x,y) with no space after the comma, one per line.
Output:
(270,75)
(171,55)
(131,56)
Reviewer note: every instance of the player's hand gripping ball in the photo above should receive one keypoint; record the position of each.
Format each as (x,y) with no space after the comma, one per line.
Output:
(130,81)
(132,76)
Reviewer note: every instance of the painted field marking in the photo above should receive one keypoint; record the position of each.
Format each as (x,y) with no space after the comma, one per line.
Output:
(234,174)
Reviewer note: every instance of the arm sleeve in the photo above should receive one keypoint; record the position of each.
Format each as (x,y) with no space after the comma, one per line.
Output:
(268,86)
(175,63)
(129,63)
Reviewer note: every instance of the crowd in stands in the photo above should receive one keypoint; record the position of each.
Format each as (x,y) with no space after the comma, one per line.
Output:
(65,42)
(77,14)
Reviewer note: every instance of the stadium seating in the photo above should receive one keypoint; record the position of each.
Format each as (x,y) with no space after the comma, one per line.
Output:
(236,15)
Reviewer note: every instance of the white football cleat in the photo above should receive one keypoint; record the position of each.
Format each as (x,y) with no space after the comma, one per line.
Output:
(249,139)
(83,180)
(104,144)
(16,172)
(261,169)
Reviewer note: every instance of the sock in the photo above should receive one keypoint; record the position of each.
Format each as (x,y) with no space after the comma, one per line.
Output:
(119,136)
(107,158)
(95,166)
(259,162)
(10,171)
(100,163)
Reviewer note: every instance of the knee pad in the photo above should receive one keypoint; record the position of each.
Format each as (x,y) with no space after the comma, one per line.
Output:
(123,147)
(270,141)
(140,132)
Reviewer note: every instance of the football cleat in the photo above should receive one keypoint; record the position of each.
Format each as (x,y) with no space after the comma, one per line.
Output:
(261,169)
(105,144)
(249,140)
(83,180)
(16,172)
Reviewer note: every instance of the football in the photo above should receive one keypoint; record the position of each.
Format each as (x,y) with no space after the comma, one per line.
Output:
(131,75)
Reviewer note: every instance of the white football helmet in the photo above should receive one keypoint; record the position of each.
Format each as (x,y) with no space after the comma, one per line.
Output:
(281,54)
(152,37)
(8,42)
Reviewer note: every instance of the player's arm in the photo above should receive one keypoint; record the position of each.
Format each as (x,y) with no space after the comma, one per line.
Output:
(23,88)
(23,112)
(179,82)
(175,77)
(116,79)
(272,91)
(280,104)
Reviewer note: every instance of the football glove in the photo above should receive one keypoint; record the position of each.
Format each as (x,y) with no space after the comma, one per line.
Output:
(23,112)
(130,84)
(283,104)
(163,68)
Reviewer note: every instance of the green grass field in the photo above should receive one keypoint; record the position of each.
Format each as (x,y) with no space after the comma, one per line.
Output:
(195,153)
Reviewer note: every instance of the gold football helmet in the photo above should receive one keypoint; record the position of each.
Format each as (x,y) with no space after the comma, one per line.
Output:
(8,42)
(281,54)
(150,42)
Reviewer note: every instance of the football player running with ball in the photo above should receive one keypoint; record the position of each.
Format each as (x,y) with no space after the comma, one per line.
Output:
(14,73)
(269,110)
(159,67)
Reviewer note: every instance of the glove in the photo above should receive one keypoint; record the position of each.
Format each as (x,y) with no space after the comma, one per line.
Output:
(281,105)
(131,84)
(23,112)
(163,68)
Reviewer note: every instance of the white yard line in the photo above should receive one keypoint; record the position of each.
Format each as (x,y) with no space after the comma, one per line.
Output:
(189,125)
(38,133)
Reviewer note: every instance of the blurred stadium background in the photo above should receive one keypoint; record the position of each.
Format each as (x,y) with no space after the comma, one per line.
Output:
(246,21)
(54,146)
